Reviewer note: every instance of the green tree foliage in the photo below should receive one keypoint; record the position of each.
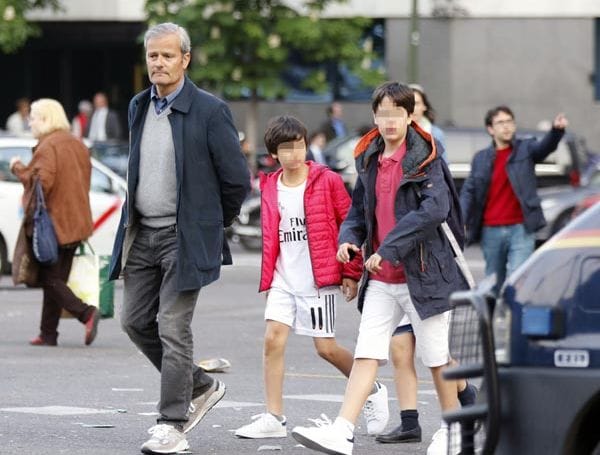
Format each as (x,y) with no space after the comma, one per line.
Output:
(242,45)
(15,29)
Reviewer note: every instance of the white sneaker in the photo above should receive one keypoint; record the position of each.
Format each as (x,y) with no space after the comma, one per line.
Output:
(324,437)
(165,439)
(376,411)
(439,442)
(264,426)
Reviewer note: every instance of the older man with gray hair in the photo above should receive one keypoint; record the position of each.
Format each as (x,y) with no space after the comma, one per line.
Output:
(187,179)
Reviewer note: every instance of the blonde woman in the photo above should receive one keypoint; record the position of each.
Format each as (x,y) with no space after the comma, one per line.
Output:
(62,165)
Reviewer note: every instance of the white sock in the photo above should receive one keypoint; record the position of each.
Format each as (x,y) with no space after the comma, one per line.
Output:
(345,425)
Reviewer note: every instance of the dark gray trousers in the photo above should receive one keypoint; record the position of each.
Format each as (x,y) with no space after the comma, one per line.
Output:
(158,320)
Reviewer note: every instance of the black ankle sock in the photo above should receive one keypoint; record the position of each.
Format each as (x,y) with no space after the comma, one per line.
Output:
(468,395)
(410,419)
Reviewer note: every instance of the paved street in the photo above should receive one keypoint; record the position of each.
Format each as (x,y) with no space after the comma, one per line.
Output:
(101,399)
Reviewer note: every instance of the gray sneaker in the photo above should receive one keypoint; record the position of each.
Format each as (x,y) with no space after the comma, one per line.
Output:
(204,403)
(165,439)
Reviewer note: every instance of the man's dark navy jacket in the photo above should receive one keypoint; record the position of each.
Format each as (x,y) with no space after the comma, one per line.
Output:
(520,168)
(212,182)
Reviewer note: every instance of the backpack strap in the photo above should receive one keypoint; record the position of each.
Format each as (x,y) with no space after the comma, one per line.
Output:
(459,256)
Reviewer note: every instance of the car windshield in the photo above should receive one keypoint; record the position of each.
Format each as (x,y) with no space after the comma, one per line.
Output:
(6,153)
(100,182)
(113,155)
(565,272)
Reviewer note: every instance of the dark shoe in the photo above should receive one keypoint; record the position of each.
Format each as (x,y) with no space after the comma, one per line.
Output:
(398,435)
(201,404)
(91,327)
(39,341)
(468,396)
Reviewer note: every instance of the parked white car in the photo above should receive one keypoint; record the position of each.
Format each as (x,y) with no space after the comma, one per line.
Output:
(107,194)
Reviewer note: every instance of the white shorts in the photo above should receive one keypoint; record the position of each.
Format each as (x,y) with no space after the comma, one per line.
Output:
(404,321)
(312,316)
(385,305)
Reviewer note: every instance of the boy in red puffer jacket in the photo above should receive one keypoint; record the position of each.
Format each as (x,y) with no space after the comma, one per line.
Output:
(302,207)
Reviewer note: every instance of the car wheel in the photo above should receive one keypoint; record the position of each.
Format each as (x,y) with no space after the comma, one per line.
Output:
(4,265)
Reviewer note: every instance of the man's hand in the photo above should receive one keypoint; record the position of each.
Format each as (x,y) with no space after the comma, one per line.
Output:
(373,264)
(349,288)
(14,160)
(560,122)
(346,252)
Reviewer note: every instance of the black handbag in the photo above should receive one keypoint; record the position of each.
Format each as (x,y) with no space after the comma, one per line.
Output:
(44,243)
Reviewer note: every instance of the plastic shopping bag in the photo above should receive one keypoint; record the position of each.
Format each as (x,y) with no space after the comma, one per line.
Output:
(89,280)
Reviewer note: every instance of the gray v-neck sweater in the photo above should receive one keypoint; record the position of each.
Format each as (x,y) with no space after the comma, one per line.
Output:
(156,192)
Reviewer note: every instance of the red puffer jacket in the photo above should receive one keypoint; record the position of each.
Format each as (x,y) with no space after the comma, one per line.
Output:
(326,203)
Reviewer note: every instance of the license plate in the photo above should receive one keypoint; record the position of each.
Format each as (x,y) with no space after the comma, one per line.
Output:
(571,358)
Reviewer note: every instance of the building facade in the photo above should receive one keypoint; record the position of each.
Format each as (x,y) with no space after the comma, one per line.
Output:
(539,57)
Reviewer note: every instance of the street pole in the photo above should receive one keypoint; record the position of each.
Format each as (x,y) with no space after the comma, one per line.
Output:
(413,43)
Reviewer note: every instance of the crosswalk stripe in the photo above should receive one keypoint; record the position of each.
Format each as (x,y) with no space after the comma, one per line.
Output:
(59,410)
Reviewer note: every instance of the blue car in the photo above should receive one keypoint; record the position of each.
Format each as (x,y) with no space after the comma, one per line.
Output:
(536,350)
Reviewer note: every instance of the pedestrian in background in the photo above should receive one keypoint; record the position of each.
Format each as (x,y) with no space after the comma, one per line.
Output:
(302,206)
(81,120)
(17,123)
(424,116)
(187,179)
(62,165)
(334,126)
(410,264)
(316,144)
(104,124)
(499,198)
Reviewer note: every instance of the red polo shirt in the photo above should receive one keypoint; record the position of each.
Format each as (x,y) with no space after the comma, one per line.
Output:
(389,175)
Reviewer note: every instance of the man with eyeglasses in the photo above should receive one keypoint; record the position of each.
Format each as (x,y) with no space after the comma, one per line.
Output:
(499,199)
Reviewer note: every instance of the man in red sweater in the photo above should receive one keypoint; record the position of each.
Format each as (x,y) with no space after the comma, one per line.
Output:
(499,199)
